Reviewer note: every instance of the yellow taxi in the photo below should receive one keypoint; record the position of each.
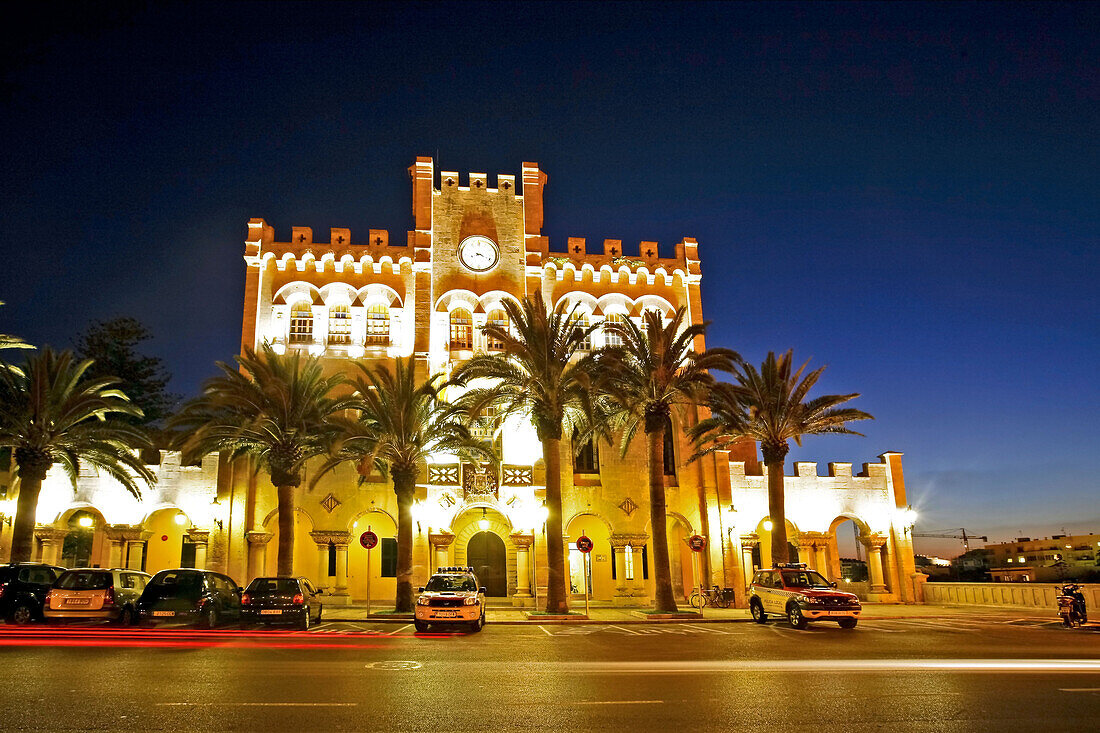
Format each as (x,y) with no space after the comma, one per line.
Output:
(452,596)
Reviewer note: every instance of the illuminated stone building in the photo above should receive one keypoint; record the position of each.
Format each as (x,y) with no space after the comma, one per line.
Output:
(477,242)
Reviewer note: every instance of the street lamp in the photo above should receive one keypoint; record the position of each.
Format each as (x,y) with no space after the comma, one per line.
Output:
(483,523)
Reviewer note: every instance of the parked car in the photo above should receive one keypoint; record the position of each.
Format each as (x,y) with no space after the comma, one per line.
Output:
(801,595)
(189,596)
(92,593)
(23,589)
(281,600)
(452,596)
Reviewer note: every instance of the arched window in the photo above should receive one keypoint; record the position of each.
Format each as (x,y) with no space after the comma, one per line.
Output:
(587,459)
(612,337)
(499,319)
(462,329)
(339,324)
(580,321)
(301,323)
(670,449)
(378,326)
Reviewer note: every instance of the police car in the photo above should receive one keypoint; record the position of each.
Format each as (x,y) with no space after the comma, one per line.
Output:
(452,596)
(801,595)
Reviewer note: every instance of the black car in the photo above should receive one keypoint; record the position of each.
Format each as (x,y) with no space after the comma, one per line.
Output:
(281,600)
(23,589)
(189,596)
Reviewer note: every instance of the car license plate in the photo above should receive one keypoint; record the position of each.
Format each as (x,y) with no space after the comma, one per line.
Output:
(839,613)
(164,613)
(78,601)
(271,612)
(446,614)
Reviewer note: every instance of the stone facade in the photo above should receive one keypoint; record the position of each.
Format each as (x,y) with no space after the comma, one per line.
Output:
(426,296)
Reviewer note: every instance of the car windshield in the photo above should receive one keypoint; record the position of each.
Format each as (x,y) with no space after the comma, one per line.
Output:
(451,583)
(804,579)
(273,585)
(174,584)
(83,580)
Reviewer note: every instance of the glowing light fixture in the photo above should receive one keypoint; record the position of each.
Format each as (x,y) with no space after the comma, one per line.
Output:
(278,348)
(768,525)
(85,521)
(181,518)
(483,523)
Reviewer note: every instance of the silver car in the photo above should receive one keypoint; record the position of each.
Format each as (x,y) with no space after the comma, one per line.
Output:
(92,593)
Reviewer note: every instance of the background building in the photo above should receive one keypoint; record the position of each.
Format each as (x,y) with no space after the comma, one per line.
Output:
(475,244)
(1049,559)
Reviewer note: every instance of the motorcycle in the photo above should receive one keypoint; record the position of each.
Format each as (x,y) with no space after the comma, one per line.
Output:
(1071,605)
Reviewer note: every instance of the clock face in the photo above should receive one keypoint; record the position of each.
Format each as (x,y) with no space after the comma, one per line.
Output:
(478,253)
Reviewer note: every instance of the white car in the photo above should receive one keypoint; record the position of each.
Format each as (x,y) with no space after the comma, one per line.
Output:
(452,596)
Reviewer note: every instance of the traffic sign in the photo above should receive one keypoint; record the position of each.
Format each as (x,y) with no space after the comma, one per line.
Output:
(697,542)
(368,540)
(584,544)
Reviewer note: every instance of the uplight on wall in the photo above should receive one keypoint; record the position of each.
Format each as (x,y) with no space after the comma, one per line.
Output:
(85,521)
(181,519)
(768,525)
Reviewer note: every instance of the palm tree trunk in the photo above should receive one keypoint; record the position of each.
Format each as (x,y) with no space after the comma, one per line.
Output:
(22,535)
(556,600)
(285,565)
(404,485)
(662,576)
(777,513)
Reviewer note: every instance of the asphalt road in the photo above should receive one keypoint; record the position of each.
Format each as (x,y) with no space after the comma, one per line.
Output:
(887,675)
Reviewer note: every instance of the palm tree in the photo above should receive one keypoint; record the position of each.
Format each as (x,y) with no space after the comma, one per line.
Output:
(12,342)
(768,406)
(279,411)
(536,375)
(50,413)
(654,370)
(401,423)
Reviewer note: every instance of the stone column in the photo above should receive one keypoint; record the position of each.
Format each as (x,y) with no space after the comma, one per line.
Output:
(339,585)
(116,536)
(135,554)
(806,549)
(201,538)
(523,595)
(874,563)
(748,544)
(623,584)
(257,551)
(440,541)
(53,541)
(637,584)
(822,560)
(341,571)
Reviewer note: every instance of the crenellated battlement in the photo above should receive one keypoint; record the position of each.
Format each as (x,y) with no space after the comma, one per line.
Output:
(615,260)
(341,250)
(452,180)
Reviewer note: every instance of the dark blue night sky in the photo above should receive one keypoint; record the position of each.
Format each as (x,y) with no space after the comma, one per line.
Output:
(907,193)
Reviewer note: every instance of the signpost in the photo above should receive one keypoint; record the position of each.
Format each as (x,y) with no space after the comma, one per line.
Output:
(584,545)
(368,540)
(697,543)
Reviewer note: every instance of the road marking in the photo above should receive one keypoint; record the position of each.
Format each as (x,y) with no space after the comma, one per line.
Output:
(625,631)
(619,702)
(395,665)
(406,626)
(544,630)
(1079,689)
(263,704)
(1032,666)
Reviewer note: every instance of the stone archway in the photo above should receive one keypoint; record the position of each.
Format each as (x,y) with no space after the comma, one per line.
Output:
(487,555)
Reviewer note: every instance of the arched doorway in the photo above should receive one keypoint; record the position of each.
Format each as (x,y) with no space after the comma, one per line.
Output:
(486,555)
(83,546)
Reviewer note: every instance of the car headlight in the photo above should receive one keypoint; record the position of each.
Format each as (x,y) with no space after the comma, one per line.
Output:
(802,600)
(422,601)
(471,601)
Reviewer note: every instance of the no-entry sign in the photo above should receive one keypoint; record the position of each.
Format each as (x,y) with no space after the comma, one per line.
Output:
(584,544)
(697,542)
(368,540)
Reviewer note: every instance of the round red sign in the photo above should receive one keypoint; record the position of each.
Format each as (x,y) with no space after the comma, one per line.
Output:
(584,544)
(368,540)
(697,542)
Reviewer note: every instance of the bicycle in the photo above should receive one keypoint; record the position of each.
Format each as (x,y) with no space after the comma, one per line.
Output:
(717,598)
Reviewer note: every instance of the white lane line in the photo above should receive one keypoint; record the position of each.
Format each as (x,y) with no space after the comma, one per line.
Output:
(625,631)
(1032,666)
(1078,689)
(406,626)
(544,630)
(619,702)
(263,704)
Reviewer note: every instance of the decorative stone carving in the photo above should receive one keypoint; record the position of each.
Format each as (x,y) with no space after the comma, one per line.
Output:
(330,502)
(331,537)
(120,533)
(521,541)
(441,539)
(518,476)
(258,538)
(52,534)
(479,481)
(628,506)
(445,475)
(199,536)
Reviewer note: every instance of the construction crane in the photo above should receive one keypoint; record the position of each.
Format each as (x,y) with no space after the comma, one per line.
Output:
(954,534)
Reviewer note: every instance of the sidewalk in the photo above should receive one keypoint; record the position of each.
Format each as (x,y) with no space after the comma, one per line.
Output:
(604,614)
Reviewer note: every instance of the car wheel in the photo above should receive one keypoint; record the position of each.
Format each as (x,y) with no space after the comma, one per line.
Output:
(21,615)
(126,617)
(847,623)
(757,610)
(304,626)
(211,618)
(420,626)
(794,615)
(479,624)
(319,610)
